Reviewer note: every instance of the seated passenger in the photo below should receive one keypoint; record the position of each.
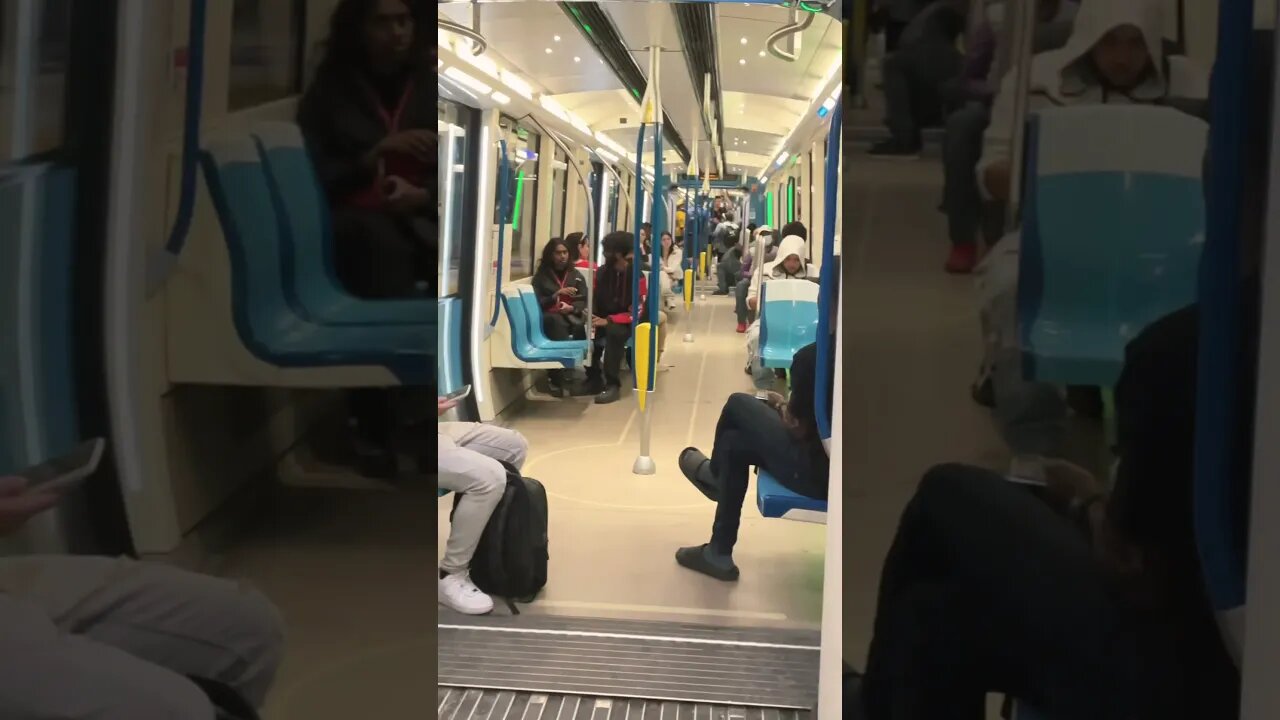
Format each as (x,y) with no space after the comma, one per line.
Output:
(780,436)
(611,318)
(365,119)
(972,95)
(987,589)
(979,564)
(791,263)
(562,295)
(1114,56)
(96,638)
(583,253)
(367,134)
(729,267)
(744,312)
(913,75)
(646,231)
(470,457)
(672,269)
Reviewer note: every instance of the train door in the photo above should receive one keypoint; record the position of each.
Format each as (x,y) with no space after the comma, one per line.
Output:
(57,62)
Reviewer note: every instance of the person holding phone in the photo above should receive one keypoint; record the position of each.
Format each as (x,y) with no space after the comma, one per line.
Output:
(562,295)
(115,639)
(470,459)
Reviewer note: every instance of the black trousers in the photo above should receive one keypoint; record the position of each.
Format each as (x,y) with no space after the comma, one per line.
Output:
(961,151)
(606,355)
(380,255)
(987,589)
(557,326)
(748,433)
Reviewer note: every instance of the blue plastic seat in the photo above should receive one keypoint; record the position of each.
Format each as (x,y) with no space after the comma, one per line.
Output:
(265,318)
(441,492)
(522,345)
(776,501)
(1112,233)
(538,336)
(789,320)
(309,276)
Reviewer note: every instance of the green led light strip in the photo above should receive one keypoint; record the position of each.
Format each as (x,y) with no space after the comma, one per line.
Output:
(768,204)
(515,214)
(791,202)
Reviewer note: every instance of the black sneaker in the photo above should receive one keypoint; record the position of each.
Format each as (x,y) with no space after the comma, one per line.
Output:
(696,558)
(609,395)
(895,150)
(592,386)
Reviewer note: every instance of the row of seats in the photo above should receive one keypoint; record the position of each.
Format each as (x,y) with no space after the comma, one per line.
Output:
(529,342)
(289,308)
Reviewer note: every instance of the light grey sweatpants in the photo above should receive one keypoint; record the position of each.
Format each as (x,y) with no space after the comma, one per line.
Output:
(114,639)
(468,464)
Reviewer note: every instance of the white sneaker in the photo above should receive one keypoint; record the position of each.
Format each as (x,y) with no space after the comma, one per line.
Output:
(457,592)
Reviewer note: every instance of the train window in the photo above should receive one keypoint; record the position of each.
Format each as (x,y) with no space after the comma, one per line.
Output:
(40,127)
(522,190)
(266,51)
(452,121)
(559,192)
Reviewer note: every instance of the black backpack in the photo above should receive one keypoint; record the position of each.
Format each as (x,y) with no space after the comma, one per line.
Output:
(511,560)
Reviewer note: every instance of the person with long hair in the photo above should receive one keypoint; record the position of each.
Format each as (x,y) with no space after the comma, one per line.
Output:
(611,317)
(365,121)
(562,295)
(779,435)
(672,268)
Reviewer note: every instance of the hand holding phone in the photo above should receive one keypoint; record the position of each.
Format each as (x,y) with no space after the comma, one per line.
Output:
(458,394)
(62,473)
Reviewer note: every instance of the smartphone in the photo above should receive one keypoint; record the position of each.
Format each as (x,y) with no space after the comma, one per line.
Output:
(458,394)
(62,473)
(1026,481)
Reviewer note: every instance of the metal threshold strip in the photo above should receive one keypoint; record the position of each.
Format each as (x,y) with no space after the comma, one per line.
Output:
(653,663)
(473,704)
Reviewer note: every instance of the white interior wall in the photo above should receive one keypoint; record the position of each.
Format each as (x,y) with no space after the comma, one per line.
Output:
(199,443)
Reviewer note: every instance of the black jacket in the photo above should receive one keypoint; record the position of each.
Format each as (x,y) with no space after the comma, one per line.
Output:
(341,121)
(546,283)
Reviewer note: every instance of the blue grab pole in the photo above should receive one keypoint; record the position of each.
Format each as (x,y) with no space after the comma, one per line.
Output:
(659,215)
(823,384)
(635,236)
(1220,518)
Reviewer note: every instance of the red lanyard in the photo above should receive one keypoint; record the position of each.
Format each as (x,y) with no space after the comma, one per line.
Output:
(392,119)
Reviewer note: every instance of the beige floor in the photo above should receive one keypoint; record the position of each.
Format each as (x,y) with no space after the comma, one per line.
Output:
(362,646)
(614,533)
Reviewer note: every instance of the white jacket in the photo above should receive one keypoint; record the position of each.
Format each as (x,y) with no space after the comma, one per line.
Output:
(1063,78)
(791,245)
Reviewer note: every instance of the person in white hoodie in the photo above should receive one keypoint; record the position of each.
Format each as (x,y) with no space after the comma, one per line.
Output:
(791,263)
(1115,56)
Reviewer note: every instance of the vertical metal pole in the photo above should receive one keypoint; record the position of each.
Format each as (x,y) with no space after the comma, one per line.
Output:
(1024,31)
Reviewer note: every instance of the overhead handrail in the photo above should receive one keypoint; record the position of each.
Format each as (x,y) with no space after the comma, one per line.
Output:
(163,262)
(801,19)
(504,170)
(478,43)
(827,278)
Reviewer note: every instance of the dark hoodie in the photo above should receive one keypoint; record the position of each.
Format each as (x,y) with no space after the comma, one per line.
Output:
(801,408)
